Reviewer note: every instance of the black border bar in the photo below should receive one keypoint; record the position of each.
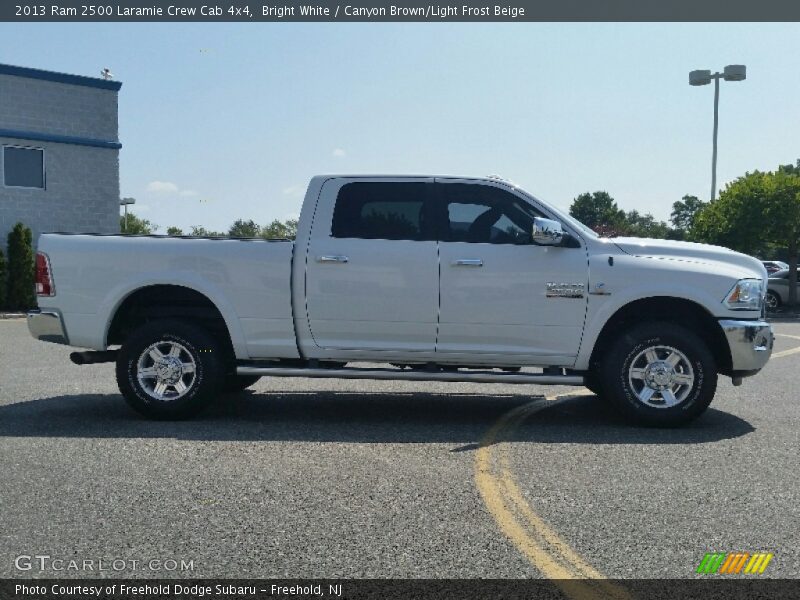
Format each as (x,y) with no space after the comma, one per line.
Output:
(708,587)
(400,11)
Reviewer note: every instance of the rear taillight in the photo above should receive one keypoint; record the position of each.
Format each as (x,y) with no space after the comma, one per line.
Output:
(44,276)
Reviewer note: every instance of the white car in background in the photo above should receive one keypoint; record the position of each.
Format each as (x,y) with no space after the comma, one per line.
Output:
(777,289)
(773,266)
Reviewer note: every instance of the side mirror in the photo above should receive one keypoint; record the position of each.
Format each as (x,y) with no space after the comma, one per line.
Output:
(546,232)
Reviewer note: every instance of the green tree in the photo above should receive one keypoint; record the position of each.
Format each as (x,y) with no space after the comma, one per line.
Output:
(198,231)
(755,214)
(645,225)
(684,212)
(174,231)
(280,230)
(244,229)
(600,212)
(783,217)
(795,168)
(3,281)
(20,269)
(135,225)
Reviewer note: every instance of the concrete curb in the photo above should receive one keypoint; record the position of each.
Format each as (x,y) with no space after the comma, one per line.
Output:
(10,315)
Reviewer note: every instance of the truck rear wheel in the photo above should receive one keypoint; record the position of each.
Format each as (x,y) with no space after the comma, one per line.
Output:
(659,374)
(169,369)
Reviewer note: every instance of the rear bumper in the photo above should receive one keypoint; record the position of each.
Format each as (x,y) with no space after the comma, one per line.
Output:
(750,343)
(46,325)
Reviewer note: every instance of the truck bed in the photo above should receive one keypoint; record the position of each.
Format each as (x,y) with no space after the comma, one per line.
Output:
(247,279)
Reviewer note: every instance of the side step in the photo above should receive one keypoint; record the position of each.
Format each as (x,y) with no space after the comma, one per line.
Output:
(409,375)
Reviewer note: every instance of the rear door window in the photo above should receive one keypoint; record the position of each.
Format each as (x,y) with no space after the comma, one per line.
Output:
(383,210)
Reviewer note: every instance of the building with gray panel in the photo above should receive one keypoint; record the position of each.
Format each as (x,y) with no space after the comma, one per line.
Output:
(59,152)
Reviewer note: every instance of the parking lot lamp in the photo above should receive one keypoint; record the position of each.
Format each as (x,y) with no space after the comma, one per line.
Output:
(704,77)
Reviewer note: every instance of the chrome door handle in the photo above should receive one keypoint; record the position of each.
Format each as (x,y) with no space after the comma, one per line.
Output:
(331,258)
(468,262)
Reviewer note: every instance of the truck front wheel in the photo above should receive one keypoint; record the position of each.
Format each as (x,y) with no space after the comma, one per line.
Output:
(659,374)
(169,369)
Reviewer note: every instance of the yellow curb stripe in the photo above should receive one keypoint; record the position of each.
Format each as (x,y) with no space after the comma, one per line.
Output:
(538,542)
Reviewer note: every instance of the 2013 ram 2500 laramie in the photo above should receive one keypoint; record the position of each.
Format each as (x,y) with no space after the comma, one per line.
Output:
(437,278)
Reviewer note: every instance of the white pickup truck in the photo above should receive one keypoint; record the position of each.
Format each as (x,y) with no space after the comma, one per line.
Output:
(434,278)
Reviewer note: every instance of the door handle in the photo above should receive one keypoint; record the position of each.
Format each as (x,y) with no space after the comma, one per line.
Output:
(468,262)
(332,258)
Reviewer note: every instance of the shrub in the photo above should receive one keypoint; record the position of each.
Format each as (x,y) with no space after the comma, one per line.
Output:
(20,269)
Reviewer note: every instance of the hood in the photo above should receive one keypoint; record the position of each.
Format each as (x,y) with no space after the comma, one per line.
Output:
(692,252)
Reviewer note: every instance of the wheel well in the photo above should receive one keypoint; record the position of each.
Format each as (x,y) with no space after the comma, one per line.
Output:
(168,301)
(675,310)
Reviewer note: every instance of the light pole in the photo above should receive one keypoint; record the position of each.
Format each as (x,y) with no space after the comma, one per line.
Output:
(704,77)
(125,202)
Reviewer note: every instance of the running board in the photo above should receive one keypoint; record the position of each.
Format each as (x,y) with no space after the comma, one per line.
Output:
(414,375)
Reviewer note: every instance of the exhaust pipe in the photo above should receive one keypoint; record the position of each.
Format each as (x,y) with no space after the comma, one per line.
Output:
(91,357)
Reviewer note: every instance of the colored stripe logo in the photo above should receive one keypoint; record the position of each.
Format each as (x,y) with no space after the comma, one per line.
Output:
(734,563)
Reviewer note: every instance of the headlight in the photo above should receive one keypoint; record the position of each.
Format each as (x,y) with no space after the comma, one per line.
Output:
(747,294)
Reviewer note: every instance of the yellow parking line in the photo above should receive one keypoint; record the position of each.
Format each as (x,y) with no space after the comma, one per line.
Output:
(783,353)
(537,541)
(786,353)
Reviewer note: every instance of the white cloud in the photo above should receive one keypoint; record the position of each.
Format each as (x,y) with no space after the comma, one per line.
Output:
(339,153)
(188,193)
(162,187)
(294,190)
(291,216)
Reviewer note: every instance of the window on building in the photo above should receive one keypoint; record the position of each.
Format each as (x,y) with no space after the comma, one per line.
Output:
(23,167)
(381,210)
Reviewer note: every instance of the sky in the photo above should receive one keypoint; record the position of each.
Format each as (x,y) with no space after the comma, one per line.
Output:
(226,121)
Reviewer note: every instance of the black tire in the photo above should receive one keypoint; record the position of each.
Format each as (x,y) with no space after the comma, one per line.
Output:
(619,382)
(201,385)
(594,388)
(238,383)
(591,382)
(773,300)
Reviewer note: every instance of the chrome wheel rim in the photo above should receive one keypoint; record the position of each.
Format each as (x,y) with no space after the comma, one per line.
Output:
(771,300)
(661,376)
(166,371)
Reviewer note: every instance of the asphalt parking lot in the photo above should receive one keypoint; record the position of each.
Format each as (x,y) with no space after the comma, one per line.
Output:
(324,478)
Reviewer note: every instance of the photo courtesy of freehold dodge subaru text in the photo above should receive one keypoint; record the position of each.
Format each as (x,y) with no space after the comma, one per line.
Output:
(402,301)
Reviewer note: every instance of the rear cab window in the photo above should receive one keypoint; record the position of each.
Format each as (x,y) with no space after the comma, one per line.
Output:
(383,210)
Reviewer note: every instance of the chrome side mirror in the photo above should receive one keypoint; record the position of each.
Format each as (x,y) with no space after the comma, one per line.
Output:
(547,232)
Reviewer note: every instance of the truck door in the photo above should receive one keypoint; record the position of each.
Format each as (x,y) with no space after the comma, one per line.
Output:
(372,269)
(494,280)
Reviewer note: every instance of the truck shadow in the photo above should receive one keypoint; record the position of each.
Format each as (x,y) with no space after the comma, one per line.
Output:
(356,417)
